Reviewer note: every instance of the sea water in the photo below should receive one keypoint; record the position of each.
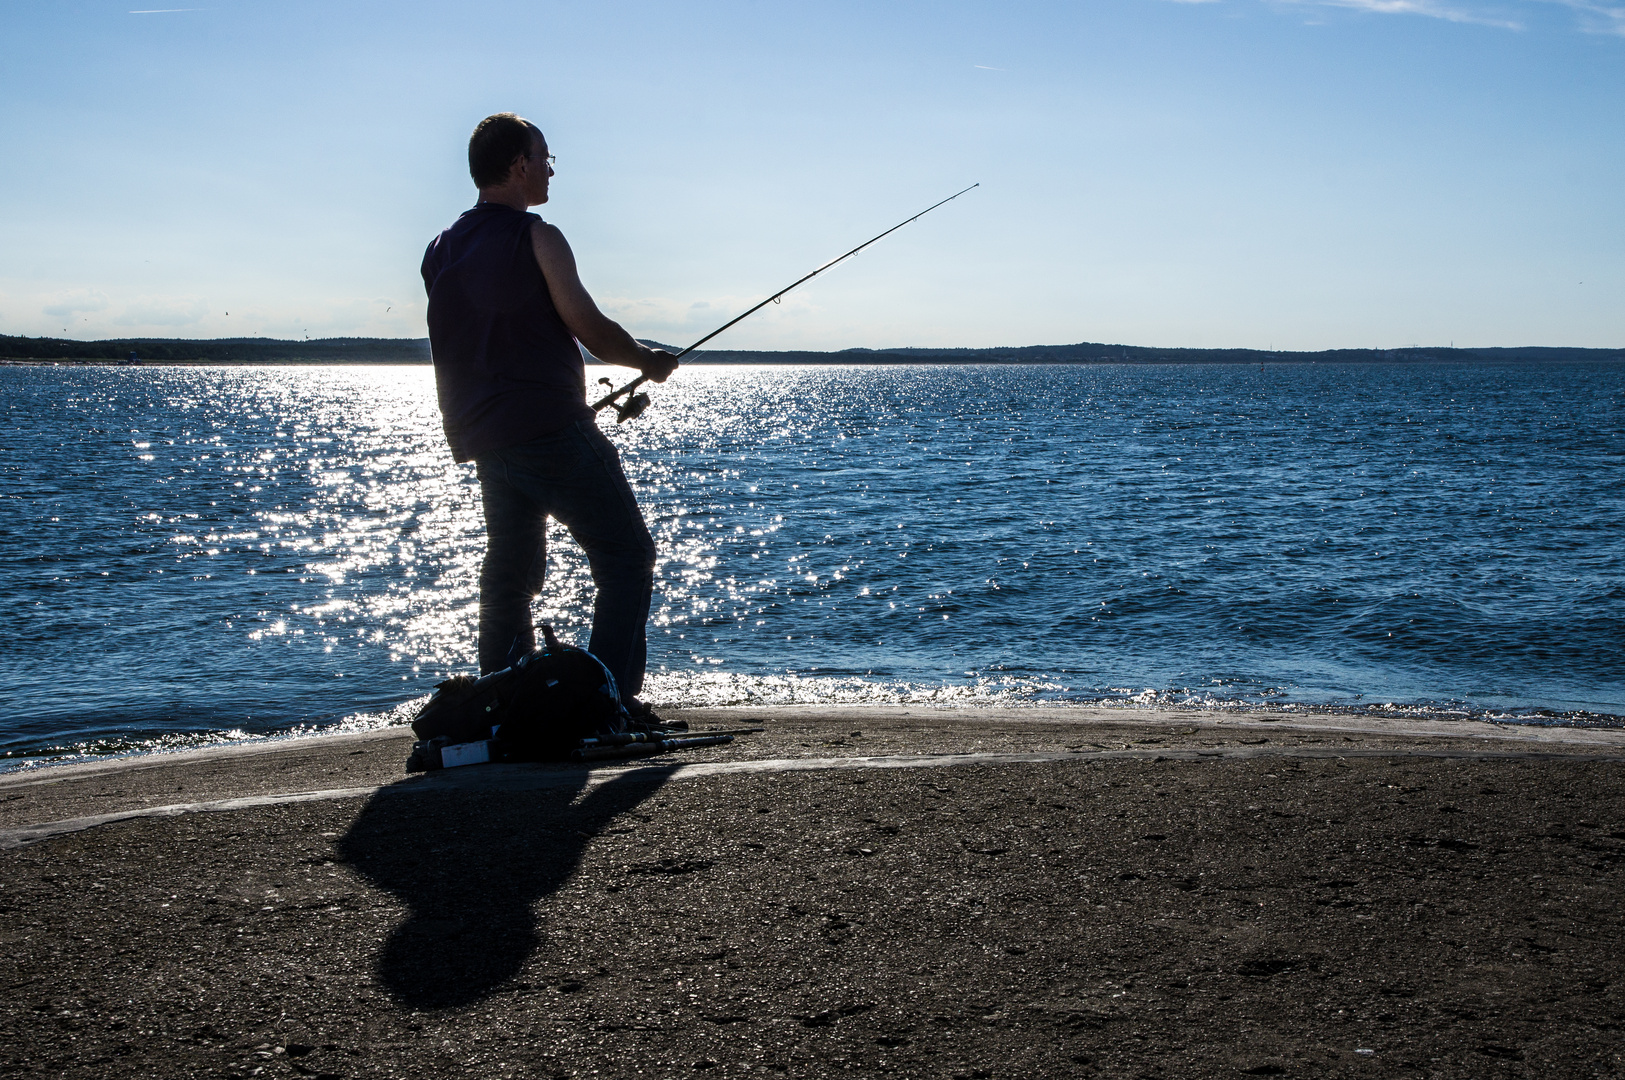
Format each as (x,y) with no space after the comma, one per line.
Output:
(190,554)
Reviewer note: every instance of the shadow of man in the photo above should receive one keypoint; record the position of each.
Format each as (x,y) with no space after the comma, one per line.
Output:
(470,857)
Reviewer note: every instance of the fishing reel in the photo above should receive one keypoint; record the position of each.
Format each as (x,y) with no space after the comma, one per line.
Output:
(631,408)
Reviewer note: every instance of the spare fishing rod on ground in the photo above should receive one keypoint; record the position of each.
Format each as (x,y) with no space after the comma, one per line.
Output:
(648,743)
(634,405)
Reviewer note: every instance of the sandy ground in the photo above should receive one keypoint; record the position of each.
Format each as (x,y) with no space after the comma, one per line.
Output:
(932,893)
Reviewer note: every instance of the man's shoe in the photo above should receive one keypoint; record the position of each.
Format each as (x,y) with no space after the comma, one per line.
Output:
(644,717)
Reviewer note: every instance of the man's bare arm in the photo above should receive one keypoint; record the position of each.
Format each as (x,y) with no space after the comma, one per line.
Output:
(604,337)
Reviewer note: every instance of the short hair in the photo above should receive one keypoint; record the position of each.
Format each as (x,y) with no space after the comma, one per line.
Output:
(496,142)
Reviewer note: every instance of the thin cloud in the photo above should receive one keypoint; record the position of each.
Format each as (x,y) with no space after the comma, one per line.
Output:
(1432,9)
(984,67)
(68,304)
(1596,18)
(163,311)
(654,316)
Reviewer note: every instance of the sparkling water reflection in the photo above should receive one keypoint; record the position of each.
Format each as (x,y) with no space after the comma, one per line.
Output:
(196,552)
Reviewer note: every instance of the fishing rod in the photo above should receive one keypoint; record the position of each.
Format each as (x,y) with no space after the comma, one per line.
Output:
(634,405)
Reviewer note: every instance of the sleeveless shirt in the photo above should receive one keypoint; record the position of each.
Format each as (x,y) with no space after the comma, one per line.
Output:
(507,369)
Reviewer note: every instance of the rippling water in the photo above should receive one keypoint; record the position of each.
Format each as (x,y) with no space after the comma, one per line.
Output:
(199,553)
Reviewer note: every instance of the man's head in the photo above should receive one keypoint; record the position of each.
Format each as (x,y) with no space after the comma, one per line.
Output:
(505,150)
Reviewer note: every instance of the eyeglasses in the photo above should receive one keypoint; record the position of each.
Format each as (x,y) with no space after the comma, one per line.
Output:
(550,159)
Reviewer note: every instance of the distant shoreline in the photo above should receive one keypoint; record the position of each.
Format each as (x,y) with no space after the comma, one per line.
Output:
(368,351)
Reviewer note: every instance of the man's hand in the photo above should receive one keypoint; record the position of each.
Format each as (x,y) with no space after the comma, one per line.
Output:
(658,364)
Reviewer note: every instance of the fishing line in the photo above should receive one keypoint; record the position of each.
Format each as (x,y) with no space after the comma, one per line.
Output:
(636,403)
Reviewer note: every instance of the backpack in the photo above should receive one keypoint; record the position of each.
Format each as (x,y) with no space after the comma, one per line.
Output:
(540,707)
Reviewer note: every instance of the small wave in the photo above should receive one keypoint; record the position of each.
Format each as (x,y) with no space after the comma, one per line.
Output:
(725,690)
(111,747)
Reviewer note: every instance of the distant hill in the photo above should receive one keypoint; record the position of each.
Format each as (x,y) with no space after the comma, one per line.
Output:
(1092,353)
(222,350)
(416,351)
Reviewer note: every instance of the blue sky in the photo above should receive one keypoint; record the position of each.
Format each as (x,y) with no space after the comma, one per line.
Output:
(1257,173)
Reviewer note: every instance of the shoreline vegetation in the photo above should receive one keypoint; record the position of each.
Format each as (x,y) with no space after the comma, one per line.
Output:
(352,350)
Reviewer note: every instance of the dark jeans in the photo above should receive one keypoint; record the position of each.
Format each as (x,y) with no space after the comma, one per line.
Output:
(575,477)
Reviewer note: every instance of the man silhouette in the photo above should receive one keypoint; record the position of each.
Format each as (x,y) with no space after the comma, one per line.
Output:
(506,309)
